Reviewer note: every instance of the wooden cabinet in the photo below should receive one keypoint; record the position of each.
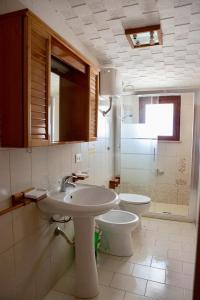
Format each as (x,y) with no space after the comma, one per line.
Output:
(39,64)
(27,46)
(93,103)
(11,81)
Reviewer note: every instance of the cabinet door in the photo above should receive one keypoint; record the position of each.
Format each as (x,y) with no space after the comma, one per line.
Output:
(93,103)
(39,85)
(11,81)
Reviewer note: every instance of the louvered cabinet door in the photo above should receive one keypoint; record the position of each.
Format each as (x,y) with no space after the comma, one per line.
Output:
(93,103)
(39,86)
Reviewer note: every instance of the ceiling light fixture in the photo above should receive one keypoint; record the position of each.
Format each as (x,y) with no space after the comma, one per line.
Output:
(144,36)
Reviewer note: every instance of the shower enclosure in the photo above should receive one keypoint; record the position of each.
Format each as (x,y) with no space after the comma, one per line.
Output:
(155,153)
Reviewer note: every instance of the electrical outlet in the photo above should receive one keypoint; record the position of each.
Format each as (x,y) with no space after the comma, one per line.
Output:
(78,157)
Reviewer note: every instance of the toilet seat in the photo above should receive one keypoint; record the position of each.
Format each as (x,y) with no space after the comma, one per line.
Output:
(134,198)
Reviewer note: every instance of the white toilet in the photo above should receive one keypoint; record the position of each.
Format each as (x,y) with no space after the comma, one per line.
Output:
(138,204)
(117,227)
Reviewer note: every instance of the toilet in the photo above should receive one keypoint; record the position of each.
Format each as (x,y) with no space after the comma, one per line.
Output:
(117,227)
(135,203)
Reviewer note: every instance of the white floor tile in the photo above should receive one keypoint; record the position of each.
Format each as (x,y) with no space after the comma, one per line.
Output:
(65,285)
(188,268)
(110,294)
(105,277)
(53,295)
(141,259)
(129,283)
(149,273)
(163,291)
(179,280)
(130,296)
(168,244)
(188,256)
(117,266)
(188,295)
(167,264)
(161,267)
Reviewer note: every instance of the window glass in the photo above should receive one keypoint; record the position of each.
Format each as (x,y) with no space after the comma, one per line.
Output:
(160,118)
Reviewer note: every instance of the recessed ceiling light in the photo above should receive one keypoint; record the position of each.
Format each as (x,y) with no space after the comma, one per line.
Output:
(144,36)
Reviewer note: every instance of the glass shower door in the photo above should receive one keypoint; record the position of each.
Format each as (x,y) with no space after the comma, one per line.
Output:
(139,141)
(138,159)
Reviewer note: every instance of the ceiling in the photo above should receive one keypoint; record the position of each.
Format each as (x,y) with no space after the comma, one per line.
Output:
(100,25)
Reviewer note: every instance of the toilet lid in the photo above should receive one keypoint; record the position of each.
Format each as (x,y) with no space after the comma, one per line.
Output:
(134,198)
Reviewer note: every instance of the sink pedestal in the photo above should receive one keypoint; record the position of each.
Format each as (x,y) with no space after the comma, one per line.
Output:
(86,285)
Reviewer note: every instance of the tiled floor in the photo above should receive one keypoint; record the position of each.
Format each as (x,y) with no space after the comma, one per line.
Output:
(161,267)
(174,209)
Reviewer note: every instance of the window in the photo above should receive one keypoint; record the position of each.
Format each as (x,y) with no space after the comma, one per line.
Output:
(164,114)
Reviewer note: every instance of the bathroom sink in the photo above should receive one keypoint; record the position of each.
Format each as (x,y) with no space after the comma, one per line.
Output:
(80,201)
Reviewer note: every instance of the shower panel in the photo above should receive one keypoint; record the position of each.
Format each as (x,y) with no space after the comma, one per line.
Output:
(149,166)
(138,150)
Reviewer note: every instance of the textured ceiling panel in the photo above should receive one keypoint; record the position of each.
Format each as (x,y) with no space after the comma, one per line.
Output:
(100,25)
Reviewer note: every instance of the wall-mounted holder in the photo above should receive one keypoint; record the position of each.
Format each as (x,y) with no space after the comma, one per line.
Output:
(115,182)
(18,200)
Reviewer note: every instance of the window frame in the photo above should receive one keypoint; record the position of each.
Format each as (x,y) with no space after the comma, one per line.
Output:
(175,100)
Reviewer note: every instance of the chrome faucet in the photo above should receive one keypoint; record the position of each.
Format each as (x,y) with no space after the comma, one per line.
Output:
(67,182)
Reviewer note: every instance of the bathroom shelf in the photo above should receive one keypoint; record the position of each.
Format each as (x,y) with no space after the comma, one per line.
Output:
(16,206)
(18,200)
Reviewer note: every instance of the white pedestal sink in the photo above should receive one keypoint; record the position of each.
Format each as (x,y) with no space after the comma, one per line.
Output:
(82,203)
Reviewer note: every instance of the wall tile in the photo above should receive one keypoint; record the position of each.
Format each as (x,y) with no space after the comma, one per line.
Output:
(66,162)
(7,275)
(4,179)
(6,232)
(20,166)
(54,165)
(26,220)
(62,254)
(40,167)
(30,251)
(44,278)
(26,290)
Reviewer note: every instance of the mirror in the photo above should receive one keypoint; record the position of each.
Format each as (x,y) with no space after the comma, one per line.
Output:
(69,90)
(55,107)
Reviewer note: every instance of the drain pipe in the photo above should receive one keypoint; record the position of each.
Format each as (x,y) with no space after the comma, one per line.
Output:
(59,231)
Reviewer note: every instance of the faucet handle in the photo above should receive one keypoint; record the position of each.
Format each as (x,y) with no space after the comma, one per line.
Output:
(74,177)
(80,175)
(69,178)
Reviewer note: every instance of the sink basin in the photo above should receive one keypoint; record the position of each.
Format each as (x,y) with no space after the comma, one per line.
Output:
(83,203)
